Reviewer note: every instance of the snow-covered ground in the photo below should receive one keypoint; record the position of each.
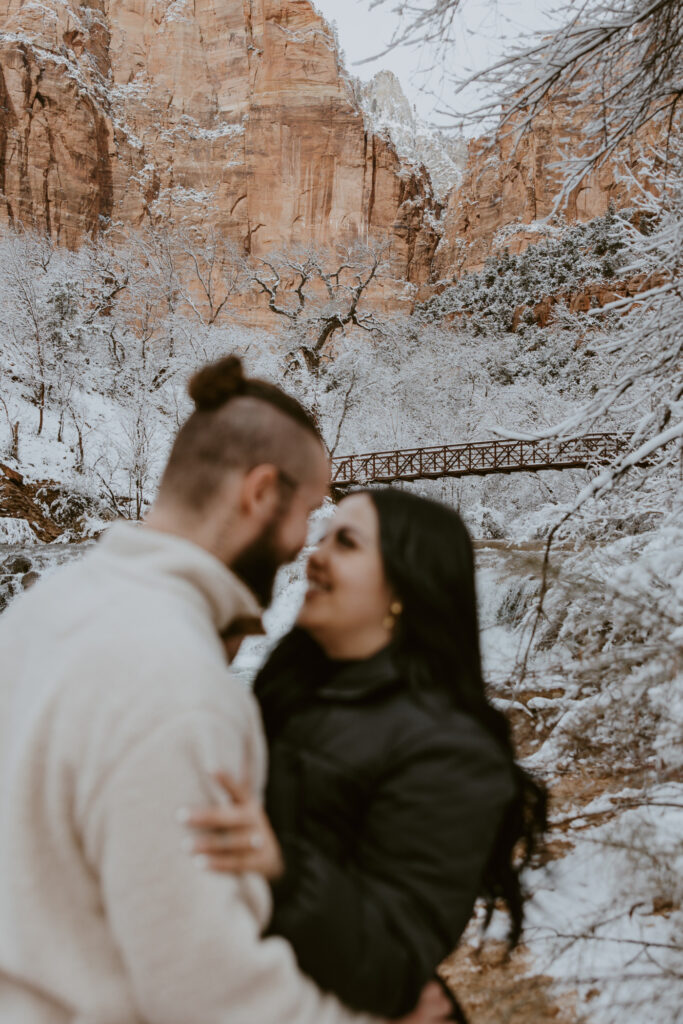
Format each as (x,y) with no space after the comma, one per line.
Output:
(605,920)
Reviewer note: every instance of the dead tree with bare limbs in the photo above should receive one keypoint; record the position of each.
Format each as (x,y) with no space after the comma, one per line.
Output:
(319,293)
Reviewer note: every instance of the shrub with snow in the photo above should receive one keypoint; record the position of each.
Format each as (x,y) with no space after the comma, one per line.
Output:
(569,257)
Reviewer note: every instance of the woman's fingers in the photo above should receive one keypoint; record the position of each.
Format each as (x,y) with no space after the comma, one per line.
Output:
(242,810)
(434,1006)
(243,840)
(218,817)
(235,838)
(228,863)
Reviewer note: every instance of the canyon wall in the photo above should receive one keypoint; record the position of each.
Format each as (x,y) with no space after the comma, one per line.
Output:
(238,115)
(511,182)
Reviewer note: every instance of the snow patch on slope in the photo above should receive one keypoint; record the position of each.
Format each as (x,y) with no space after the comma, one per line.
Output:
(605,920)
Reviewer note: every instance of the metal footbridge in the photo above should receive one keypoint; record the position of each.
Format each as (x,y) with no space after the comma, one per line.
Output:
(478,458)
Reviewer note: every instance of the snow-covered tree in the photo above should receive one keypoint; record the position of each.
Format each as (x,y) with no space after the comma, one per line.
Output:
(319,293)
(622,60)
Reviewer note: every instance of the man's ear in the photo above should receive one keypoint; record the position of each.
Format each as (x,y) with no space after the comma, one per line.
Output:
(260,492)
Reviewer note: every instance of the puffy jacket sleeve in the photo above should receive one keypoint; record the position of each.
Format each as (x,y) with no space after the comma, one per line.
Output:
(190,942)
(374,930)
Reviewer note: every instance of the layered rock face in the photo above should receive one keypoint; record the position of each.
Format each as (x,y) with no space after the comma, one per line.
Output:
(512,183)
(56,144)
(236,114)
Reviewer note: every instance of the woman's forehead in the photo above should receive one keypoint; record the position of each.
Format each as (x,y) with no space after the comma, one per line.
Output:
(357,511)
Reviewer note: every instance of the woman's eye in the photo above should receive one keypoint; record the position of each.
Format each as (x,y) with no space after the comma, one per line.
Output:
(345,540)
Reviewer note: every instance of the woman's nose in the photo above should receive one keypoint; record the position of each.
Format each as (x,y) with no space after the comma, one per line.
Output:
(318,557)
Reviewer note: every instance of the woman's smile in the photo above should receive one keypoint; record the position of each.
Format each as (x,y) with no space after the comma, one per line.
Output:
(317,584)
(317,580)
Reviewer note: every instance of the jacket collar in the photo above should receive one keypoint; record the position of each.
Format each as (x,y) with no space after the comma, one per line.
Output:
(152,554)
(350,681)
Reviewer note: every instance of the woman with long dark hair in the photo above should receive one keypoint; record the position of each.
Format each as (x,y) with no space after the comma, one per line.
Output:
(393,789)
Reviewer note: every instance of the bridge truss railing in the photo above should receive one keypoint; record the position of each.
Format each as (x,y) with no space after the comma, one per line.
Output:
(478,458)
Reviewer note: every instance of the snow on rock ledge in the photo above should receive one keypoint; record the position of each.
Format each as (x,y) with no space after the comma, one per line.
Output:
(386,110)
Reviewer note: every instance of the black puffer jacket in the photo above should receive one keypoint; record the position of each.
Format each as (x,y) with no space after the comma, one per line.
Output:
(387,808)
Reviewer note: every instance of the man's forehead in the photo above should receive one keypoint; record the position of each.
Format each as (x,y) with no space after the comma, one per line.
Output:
(319,469)
(314,491)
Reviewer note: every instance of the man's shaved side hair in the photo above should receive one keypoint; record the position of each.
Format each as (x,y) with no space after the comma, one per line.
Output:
(238,423)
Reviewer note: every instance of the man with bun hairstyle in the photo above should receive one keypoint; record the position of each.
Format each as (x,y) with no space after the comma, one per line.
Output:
(117,708)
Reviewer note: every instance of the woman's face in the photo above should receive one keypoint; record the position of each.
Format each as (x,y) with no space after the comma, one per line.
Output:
(348,597)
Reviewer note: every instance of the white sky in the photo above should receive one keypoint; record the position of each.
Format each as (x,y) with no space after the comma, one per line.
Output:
(482,29)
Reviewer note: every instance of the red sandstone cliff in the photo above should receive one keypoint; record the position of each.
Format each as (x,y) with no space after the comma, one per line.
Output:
(511,183)
(238,113)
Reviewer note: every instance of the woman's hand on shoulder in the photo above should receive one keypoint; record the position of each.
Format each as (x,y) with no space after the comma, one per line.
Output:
(434,1007)
(234,838)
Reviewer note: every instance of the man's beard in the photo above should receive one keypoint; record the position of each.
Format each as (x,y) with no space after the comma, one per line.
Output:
(257,565)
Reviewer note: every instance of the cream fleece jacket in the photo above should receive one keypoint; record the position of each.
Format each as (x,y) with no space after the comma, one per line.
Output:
(116,704)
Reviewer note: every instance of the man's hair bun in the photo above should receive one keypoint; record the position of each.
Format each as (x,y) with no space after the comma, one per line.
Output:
(214,385)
